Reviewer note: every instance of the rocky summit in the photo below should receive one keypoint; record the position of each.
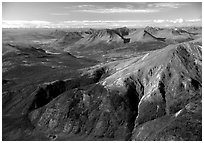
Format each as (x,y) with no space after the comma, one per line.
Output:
(103,84)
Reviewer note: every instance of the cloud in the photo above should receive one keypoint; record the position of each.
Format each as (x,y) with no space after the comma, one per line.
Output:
(85,5)
(167,5)
(59,14)
(98,23)
(107,21)
(194,20)
(125,8)
(72,23)
(159,20)
(25,24)
(180,20)
(119,10)
(80,6)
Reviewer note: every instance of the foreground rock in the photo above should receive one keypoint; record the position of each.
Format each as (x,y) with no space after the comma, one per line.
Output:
(153,97)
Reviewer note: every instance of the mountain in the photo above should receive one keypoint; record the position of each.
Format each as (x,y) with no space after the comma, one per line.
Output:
(99,42)
(174,35)
(153,91)
(156,96)
(104,35)
(69,38)
(58,33)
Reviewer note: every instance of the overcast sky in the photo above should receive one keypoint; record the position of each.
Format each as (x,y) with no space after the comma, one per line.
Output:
(109,14)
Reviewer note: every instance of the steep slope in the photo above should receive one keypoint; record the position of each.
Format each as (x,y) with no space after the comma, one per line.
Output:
(174,35)
(69,38)
(58,33)
(103,35)
(156,96)
(159,39)
(8,48)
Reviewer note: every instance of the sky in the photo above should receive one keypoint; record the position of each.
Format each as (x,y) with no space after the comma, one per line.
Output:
(100,14)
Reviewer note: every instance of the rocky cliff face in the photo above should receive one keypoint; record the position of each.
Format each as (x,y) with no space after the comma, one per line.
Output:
(156,96)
